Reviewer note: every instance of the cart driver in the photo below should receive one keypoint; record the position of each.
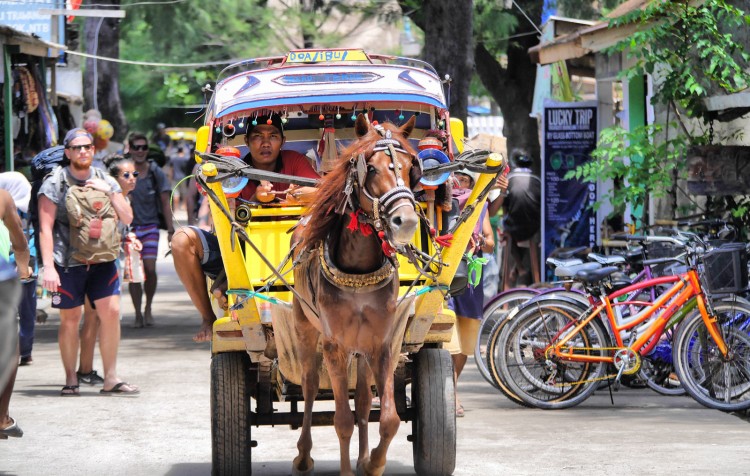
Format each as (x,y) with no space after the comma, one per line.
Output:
(196,251)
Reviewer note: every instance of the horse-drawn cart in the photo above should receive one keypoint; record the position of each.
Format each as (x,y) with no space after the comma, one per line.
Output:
(326,99)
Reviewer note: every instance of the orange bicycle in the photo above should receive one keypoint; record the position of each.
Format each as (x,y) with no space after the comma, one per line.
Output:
(553,356)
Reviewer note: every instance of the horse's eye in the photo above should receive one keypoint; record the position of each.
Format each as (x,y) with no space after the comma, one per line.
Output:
(371,169)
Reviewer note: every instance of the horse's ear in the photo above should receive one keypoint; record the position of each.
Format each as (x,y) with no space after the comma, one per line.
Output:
(362,125)
(407,128)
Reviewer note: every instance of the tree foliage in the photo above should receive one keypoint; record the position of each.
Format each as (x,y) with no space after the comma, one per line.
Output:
(690,52)
(689,48)
(221,30)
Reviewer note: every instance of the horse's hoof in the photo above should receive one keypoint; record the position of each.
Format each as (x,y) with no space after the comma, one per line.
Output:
(310,471)
(365,468)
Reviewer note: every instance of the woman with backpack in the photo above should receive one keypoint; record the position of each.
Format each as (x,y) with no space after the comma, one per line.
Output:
(71,275)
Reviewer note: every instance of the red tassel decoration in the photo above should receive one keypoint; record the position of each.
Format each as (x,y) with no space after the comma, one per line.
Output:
(354,224)
(445,240)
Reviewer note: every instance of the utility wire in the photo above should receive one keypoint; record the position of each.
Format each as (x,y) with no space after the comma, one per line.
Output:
(147,63)
(527,17)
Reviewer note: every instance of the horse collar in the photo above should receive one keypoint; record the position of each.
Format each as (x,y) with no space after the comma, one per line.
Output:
(358,283)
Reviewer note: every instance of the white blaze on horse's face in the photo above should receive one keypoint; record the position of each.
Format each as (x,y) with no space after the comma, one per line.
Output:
(403,219)
(389,178)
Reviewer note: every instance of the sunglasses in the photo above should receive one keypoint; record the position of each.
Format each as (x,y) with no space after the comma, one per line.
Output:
(127,174)
(139,147)
(79,148)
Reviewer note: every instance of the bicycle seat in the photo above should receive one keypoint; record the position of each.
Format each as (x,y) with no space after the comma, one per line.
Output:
(595,275)
(605,260)
(562,263)
(567,253)
(572,271)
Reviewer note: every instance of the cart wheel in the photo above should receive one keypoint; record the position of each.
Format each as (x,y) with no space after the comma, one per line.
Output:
(434,417)
(230,414)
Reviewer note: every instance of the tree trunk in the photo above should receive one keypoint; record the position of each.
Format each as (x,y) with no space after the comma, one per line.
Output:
(101,87)
(448,46)
(513,90)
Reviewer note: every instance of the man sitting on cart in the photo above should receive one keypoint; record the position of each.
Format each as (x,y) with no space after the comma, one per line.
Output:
(196,251)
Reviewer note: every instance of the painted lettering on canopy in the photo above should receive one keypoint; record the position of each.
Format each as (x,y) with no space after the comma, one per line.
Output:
(325,56)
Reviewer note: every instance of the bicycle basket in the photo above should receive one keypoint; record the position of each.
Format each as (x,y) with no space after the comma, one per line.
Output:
(725,269)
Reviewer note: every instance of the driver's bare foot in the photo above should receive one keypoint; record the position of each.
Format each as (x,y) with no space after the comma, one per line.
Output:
(205,334)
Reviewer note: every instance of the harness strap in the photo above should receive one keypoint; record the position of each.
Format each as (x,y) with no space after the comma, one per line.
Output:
(242,234)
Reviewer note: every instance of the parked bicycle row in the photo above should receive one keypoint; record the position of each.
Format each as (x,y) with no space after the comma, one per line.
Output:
(668,311)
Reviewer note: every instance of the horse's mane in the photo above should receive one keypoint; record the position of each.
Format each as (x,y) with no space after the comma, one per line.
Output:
(322,215)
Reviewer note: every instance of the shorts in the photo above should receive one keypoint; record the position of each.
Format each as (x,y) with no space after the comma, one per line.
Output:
(471,303)
(96,281)
(464,338)
(149,236)
(211,264)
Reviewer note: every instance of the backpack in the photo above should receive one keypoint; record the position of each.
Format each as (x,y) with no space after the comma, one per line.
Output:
(42,165)
(94,234)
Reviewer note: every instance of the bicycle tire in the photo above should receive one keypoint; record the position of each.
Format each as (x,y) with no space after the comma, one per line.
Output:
(543,381)
(657,368)
(496,311)
(497,379)
(496,334)
(715,382)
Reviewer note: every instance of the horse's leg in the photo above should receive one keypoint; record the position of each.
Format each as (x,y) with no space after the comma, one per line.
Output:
(337,363)
(307,337)
(362,404)
(382,369)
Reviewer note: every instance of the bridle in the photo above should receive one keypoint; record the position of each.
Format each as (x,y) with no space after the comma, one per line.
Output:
(390,201)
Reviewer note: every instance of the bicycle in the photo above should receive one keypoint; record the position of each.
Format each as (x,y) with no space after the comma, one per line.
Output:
(554,356)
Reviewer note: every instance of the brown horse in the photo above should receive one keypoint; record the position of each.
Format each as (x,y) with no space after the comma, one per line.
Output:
(347,278)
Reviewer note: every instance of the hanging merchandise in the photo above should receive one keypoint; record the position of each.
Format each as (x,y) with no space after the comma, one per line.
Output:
(30,94)
(46,114)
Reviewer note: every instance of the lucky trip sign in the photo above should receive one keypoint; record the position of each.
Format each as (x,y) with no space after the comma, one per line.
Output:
(568,218)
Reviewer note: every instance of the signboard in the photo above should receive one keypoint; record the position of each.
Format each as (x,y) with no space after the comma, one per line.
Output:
(569,137)
(25,17)
(719,170)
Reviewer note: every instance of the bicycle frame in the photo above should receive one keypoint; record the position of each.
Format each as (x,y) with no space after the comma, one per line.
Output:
(686,287)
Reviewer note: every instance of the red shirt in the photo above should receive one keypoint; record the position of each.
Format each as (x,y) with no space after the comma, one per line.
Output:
(292,163)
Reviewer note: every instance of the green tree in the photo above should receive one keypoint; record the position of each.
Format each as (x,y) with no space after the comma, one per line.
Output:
(690,51)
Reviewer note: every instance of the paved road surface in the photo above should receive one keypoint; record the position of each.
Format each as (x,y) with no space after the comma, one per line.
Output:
(166,430)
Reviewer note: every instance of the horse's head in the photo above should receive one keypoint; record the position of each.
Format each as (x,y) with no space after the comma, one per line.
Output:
(384,171)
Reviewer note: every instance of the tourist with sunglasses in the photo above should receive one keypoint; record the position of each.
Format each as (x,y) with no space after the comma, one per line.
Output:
(121,169)
(72,281)
(151,193)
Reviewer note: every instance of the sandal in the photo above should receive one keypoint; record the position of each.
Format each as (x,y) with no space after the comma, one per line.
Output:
(118,390)
(13,431)
(460,411)
(70,391)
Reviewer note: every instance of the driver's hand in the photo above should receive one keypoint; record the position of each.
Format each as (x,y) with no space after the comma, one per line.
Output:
(264,193)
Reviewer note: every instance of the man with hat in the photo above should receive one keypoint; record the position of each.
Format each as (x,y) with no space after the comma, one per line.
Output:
(196,251)
(264,141)
(71,281)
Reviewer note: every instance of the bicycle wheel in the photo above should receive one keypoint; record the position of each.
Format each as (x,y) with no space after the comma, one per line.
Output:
(711,379)
(657,368)
(541,379)
(497,332)
(496,311)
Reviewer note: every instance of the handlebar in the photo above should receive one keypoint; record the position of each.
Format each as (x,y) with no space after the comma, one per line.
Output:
(654,239)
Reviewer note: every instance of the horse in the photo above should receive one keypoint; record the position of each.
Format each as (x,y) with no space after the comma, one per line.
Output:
(348,286)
